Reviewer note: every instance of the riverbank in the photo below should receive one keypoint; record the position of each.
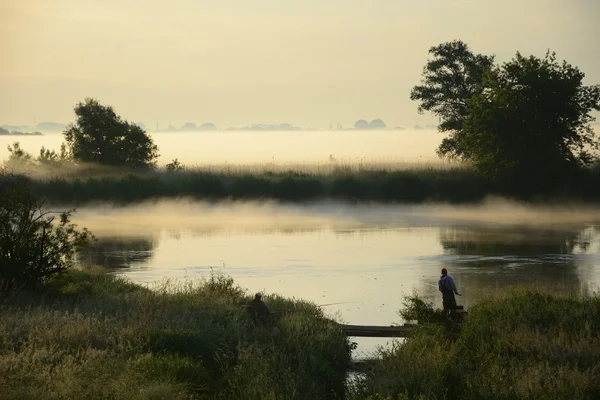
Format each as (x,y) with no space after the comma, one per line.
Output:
(418,185)
(92,335)
(521,345)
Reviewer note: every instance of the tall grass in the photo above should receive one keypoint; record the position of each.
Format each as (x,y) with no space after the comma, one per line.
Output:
(92,335)
(521,345)
(345,183)
(382,182)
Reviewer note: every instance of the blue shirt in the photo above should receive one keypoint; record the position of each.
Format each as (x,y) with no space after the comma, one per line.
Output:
(446,284)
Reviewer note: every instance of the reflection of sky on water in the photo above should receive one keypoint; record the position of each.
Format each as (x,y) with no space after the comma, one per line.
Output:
(368,270)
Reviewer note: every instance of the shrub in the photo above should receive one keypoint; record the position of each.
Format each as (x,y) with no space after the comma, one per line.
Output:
(33,243)
(522,345)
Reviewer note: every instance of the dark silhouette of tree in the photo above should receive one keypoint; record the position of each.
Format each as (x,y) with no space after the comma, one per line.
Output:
(532,121)
(524,124)
(450,79)
(174,166)
(34,244)
(101,136)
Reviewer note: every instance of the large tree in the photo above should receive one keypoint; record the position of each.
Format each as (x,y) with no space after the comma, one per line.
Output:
(450,79)
(531,124)
(525,122)
(101,136)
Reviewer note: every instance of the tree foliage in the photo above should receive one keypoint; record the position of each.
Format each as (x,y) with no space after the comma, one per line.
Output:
(21,160)
(532,121)
(50,158)
(450,79)
(18,157)
(174,166)
(34,242)
(101,136)
(525,121)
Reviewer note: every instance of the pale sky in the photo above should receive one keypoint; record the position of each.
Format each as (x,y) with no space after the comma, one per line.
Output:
(237,62)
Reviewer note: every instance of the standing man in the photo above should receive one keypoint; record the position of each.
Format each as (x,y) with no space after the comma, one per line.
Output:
(448,289)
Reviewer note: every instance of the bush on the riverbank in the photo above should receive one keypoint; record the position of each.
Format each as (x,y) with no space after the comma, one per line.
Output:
(91,335)
(522,345)
(34,243)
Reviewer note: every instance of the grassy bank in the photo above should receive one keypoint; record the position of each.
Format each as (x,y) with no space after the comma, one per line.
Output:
(418,185)
(91,335)
(523,345)
(455,184)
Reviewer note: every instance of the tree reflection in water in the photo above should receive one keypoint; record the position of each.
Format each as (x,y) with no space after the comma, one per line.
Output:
(117,253)
(485,260)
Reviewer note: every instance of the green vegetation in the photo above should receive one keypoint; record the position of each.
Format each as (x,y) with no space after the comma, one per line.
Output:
(455,185)
(93,335)
(521,345)
(33,246)
(101,136)
(525,123)
(68,333)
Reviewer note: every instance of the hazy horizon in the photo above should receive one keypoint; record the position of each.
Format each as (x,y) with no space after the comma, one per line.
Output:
(235,63)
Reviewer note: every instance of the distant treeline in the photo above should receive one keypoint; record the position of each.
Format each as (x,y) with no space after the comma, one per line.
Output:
(402,186)
(5,132)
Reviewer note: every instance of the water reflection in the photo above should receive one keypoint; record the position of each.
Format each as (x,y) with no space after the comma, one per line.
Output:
(117,253)
(499,242)
(487,260)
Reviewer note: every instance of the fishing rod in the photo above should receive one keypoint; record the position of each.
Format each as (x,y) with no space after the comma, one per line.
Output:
(308,309)
(435,286)
(335,304)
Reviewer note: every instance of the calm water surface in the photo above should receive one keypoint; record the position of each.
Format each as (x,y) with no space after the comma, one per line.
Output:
(366,257)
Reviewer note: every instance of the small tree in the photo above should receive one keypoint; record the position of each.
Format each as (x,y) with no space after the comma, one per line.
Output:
(175,166)
(50,158)
(101,136)
(18,158)
(34,244)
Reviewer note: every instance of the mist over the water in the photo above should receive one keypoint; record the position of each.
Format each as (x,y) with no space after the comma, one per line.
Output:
(186,214)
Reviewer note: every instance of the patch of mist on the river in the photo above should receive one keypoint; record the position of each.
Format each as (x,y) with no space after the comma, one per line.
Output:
(182,214)
(187,214)
(501,211)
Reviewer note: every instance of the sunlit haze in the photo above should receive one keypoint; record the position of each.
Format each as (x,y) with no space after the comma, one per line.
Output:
(233,62)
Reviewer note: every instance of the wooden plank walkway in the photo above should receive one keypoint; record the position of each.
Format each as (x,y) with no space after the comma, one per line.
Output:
(376,331)
(457,316)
